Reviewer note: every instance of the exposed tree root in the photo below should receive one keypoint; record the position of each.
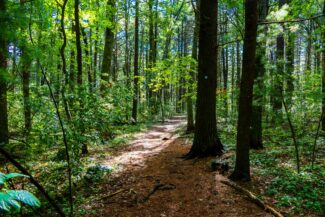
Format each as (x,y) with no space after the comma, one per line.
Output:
(196,153)
(112,194)
(255,199)
(159,186)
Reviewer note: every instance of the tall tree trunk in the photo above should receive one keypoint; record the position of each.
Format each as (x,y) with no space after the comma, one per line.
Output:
(95,57)
(115,65)
(190,115)
(238,62)
(72,74)
(323,74)
(4,130)
(64,63)
(26,63)
(88,60)
(206,140)
(84,147)
(109,44)
(256,140)
(290,66)
(127,52)
(136,64)
(242,167)
(278,77)
(233,86)
(308,48)
(78,43)
(290,58)
(151,50)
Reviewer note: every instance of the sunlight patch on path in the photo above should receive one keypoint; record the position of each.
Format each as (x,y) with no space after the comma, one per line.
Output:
(145,145)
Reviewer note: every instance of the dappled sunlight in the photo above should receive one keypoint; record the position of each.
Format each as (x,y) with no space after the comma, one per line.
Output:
(145,145)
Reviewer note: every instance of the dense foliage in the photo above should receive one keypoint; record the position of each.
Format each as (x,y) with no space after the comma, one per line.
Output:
(70,92)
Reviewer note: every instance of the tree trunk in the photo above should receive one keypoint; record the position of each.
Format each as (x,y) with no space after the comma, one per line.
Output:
(151,52)
(206,140)
(136,64)
(26,62)
(238,62)
(127,52)
(72,74)
(308,48)
(242,167)
(323,74)
(115,66)
(78,42)
(290,66)
(109,44)
(88,60)
(95,58)
(278,77)
(190,115)
(4,130)
(256,140)
(84,148)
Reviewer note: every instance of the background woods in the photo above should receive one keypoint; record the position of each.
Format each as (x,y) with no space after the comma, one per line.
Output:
(79,78)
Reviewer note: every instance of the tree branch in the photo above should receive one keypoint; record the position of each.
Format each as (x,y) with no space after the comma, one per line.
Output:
(32,180)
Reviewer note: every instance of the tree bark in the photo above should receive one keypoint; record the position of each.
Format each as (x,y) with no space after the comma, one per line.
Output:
(88,60)
(206,140)
(26,62)
(4,130)
(256,140)
(78,43)
(109,44)
(242,166)
(190,115)
(72,74)
(136,64)
(290,58)
(323,74)
(278,77)
(127,67)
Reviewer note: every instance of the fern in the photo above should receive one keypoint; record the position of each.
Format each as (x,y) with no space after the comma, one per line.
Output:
(11,200)
(5,177)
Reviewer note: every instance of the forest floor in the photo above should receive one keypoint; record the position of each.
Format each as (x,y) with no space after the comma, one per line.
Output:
(151,179)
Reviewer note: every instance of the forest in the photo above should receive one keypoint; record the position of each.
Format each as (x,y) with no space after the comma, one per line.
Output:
(170,108)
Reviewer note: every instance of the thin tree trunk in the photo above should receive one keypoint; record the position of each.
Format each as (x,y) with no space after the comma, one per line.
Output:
(151,51)
(190,115)
(88,60)
(136,64)
(72,74)
(278,77)
(290,66)
(78,43)
(242,166)
(95,57)
(323,74)
(109,44)
(127,52)
(26,63)
(4,130)
(84,147)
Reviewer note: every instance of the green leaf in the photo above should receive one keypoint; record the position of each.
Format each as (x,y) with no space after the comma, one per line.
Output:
(5,177)
(13,175)
(24,197)
(2,178)
(7,203)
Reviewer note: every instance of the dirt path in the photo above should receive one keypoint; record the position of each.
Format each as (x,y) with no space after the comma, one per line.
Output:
(187,188)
